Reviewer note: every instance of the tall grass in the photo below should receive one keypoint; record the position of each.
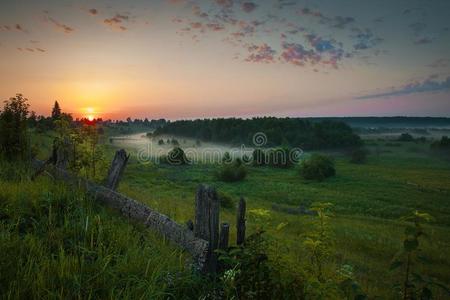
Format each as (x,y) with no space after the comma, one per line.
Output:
(55,243)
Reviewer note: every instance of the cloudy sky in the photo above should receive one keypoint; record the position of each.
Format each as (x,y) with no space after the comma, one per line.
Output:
(187,59)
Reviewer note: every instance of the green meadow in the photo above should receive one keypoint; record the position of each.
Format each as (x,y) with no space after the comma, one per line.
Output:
(57,242)
(368,201)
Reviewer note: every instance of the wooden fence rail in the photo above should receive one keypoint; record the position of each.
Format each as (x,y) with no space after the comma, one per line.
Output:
(174,232)
(201,239)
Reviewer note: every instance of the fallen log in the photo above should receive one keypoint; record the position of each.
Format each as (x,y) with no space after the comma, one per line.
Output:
(137,211)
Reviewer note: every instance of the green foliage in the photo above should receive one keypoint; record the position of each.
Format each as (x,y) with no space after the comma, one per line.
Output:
(405,137)
(176,156)
(252,273)
(232,172)
(281,158)
(293,132)
(359,156)
(81,145)
(319,242)
(161,142)
(414,285)
(322,279)
(13,128)
(443,144)
(317,167)
(226,201)
(259,157)
(226,158)
(92,153)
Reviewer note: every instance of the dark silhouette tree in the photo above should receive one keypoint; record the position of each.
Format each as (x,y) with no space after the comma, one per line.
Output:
(56,111)
(13,128)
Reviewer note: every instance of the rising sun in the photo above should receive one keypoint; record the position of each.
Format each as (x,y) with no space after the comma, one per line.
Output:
(90,113)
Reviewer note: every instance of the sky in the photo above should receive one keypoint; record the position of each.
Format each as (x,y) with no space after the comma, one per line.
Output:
(182,59)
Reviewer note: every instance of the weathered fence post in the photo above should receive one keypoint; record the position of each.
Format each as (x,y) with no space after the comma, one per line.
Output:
(190,225)
(223,237)
(116,170)
(240,222)
(206,224)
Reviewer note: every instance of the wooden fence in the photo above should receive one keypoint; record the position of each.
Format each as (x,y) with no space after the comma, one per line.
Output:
(200,239)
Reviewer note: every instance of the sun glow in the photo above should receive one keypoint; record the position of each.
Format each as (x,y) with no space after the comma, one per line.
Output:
(90,113)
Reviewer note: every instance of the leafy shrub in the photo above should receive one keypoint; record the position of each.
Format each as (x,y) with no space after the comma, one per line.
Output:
(393,145)
(414,285)
(13,128)
(359,156)
(176,156)
(246,159)
(405,137)
(252,273)
(235,171)
(161,142)
(443,144)
(317,167)
(226,201)
(226,158)
(259,157)
(281,158)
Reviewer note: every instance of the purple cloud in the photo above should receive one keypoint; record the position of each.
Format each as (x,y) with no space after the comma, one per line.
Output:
(60,26)
(225,3)
(20,28)
(428,85)
(248,6)
(423,41)
(440,63)
(260,53)
(93,11)
(116,22)
(364,39)
(296,54)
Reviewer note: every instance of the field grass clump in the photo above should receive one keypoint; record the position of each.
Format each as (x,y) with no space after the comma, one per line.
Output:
(232,172)
(317,167)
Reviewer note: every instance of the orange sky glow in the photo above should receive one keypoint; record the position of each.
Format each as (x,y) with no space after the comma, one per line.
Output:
(197,59)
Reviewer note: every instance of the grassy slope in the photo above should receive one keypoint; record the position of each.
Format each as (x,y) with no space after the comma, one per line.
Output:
(56,243)
(368,200)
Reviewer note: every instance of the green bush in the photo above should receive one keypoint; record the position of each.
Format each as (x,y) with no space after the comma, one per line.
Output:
(259,157)
(280,158)
(317,167)
(231,172)
(226,158)
(405,137)
(251,272)
(226,201)
(176,156)
(13,128)
(444,143)
(359,156)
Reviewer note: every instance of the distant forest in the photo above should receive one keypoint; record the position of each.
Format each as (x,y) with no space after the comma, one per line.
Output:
(291,132)
(389,122)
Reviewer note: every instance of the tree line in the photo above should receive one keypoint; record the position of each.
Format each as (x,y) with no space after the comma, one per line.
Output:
(291,132)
